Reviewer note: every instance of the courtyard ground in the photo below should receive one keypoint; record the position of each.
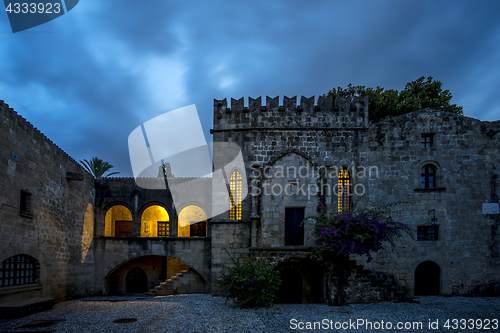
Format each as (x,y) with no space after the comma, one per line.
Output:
(205,313)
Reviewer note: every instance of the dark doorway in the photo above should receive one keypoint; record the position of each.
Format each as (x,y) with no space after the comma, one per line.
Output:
(427,279)
(137,281)
(123,228)
(290,290)
(294,231)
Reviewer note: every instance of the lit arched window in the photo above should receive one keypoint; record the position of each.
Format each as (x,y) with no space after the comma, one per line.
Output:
(155,222)
(19,270)
(235,186)
(428,177)
(344,192)
(192,222)
(118,222)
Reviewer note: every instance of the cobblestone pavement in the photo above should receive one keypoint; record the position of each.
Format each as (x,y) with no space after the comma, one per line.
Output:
(205,313)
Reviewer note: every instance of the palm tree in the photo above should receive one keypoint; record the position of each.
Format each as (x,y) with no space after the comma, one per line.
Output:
(98,167)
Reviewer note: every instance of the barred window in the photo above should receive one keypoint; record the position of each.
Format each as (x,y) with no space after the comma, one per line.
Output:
(163,229)
(427,233)
(198,229)
(344,191)
(192,222)
(19,270)
(428,177)
(427,140)
(235,184)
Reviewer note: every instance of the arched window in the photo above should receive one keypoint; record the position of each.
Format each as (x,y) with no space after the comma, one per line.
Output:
(428,176)
(19,270)
(118,222)
(155,222)
(235,186)
(192,222)
(344,191)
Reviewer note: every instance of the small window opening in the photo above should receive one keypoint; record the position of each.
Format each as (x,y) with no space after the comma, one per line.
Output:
(427,140)
(428,177)
(163,229)
(25,204)
(425,233)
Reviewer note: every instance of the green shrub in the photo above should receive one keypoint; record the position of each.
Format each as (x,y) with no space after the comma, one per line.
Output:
(250,284)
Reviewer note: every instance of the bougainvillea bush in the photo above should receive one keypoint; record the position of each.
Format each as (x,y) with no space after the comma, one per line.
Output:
(338,235)
(251,284)
(360,233)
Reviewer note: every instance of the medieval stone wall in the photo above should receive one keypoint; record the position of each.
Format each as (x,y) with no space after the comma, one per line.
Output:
(385,162)
(115,256)
(465,155)
(55,224)
(51,210)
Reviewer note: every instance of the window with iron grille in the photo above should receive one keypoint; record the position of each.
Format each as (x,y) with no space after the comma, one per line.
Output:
(428,177)
(163,229)
(427,233)
(235,184)
(198,229)
(344,191)
(19,270)
(294,231)
(427,140)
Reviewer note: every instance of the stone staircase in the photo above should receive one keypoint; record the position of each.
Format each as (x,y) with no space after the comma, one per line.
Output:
(186,282)
(26,307)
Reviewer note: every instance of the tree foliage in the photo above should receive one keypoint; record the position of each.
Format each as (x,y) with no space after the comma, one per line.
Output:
(338,235)
(97,167)
(250,284)
(417,95)
(360,233)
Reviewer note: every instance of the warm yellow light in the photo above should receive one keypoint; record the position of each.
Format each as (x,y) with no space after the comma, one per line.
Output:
(344,195)
(235,185)
(87,232)
(153,222)
(115,213)
(189,215)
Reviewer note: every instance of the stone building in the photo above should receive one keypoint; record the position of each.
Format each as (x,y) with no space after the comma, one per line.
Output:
(444,168)
(46,217)
(79,237)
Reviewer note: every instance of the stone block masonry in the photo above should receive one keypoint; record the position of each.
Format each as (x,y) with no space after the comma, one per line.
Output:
(386,162)
(441,167)
(45,213)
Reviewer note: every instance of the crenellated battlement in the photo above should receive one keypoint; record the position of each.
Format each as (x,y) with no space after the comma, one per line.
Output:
(14,120)
(338,113)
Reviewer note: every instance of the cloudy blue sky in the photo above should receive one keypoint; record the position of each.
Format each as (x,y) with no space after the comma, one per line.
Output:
(90,77)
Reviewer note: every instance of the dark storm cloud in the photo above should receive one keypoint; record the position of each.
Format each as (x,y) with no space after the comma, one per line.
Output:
(89,78)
